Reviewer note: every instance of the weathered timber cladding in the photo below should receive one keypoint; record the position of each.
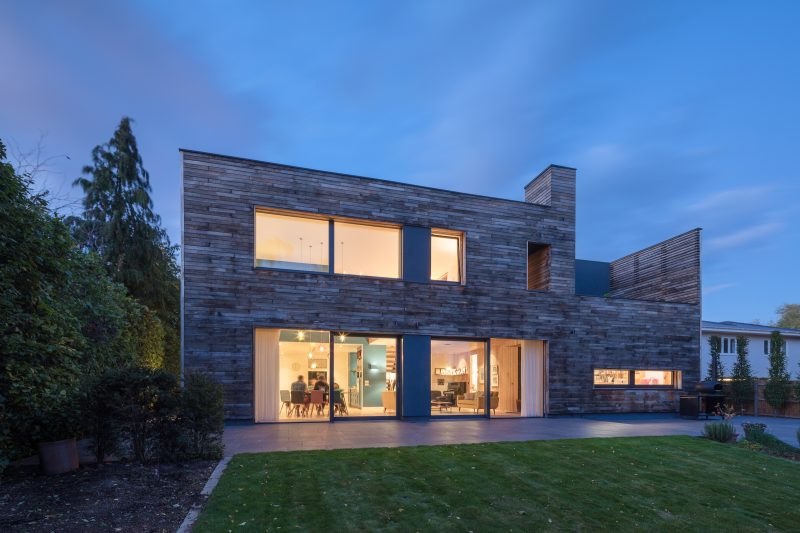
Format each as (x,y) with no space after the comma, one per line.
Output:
(225,297)
(668,271)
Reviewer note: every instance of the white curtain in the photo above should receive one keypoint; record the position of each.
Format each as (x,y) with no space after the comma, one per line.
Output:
(532,379)
(267,373)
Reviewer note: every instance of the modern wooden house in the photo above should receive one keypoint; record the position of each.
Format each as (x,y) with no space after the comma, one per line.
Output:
(314,295)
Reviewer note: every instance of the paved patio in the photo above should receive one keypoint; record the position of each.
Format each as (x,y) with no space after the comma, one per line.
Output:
(242,438)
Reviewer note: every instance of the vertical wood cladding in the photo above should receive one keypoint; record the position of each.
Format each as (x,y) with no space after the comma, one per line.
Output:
(225,298)
(668,271)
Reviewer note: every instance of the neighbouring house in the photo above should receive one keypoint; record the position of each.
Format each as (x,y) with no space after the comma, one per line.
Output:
(758,348)
(314,295)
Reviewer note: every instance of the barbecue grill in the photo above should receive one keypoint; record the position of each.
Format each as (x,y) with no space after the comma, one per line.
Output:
(703,403)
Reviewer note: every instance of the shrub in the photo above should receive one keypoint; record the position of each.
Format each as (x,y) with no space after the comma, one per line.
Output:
(131,406)
(143,413)
(719,431)
(751,427)
(202,417)
(771,442)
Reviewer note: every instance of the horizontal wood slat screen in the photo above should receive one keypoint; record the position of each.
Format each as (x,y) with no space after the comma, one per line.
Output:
(538,267)
(668,271)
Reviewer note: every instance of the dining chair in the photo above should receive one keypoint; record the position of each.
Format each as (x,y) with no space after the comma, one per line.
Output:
(317,400)
(298,399)
(286,401)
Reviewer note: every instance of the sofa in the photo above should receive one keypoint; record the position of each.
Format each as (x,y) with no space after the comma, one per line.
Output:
(476,401)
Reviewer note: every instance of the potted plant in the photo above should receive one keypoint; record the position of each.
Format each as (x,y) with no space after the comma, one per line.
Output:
(58,449)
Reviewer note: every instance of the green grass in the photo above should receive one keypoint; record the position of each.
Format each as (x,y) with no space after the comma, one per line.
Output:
(658,483)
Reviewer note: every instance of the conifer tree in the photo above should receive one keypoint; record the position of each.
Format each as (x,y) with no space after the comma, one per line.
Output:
(742,375)
(777,388)
(715,369)
(119,224)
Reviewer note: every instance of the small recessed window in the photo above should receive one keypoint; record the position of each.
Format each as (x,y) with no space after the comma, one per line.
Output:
(538,267)
(604,376)
(446,254)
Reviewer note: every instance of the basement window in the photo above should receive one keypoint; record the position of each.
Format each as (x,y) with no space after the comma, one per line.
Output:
(538,267)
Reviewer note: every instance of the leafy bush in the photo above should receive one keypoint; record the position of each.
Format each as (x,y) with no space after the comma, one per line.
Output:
(751,427)
(719,431)
(144,414)
(62,320)
(202,416)
(771,442)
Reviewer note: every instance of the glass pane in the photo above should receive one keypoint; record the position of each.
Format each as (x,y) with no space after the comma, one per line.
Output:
(652,377)
(445,258)
(366,376)
(611,377)
(364,250)
(458,378)
(304,374)
(291,242)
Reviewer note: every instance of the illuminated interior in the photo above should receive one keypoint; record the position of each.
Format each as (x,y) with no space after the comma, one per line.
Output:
(365,250)
(445,258)
(457,377)
(290,242)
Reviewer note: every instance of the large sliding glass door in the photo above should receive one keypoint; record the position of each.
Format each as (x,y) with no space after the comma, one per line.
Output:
(365,376)
(458,377)
(298,379)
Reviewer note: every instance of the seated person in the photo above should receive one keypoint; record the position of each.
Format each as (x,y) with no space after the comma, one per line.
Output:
(300,385)
(321,384)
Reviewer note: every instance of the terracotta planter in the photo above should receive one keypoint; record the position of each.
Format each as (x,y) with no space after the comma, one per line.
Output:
(58,457)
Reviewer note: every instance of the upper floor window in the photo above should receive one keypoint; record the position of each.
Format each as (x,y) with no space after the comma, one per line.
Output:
(728,346)
(291,242)
(538,267)
(366,250)
(446,257)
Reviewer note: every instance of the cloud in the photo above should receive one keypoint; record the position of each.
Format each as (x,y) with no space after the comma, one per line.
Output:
(744,236)
(711,289)
(731,199)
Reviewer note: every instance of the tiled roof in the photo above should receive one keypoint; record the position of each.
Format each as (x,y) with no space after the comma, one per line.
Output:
(729,326)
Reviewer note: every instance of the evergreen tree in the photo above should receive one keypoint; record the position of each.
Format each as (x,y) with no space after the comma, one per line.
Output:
(715,368)
(120,225)
(742,376)
(777,388)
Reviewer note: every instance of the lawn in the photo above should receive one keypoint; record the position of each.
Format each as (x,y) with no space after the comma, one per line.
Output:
(662,483)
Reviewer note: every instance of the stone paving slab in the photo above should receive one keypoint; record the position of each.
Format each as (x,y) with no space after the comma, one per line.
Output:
(241,438)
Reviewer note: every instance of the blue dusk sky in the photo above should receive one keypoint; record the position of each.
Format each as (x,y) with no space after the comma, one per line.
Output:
(676,114)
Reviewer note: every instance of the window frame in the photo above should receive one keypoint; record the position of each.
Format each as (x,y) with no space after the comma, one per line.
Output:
(677,379)
(331,241)
(727,346)
(461,237)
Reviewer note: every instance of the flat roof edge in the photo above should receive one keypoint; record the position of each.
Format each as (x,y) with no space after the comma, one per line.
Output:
(381,180)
